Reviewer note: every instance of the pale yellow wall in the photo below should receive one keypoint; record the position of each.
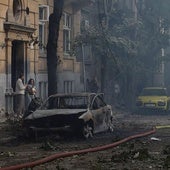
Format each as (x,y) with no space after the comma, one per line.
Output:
(32,21)
(3,9)
(66,64)
(42,62)
(36,61)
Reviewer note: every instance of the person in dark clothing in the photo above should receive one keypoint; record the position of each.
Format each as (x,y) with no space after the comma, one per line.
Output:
(94,86)
(30,92)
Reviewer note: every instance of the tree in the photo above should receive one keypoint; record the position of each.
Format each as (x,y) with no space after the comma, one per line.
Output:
(52,59)
(153,35)
(112,45)
(129,45)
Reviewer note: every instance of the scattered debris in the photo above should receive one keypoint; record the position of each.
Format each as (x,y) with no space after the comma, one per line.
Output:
(47,146)
(167,162)
(166,150)
(139,154)
(7,154)
(155,139)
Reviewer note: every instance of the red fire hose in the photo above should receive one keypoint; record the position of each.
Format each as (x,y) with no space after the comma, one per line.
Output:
(83,151)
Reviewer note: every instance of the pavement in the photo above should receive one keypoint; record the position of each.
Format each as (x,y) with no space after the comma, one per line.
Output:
(2,118)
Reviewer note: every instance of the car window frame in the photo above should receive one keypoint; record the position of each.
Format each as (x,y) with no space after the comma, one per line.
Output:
(100,97)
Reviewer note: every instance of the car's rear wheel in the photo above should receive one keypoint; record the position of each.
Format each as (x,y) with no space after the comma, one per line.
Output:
(87,130)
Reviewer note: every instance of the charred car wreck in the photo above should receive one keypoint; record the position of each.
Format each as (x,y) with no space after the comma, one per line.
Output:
(85,113)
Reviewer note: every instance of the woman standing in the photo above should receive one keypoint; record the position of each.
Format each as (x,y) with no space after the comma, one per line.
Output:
(30,92)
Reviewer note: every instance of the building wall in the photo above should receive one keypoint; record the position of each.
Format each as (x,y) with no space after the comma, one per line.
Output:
(16,34)
(68,67)
(3,9)
(16,29)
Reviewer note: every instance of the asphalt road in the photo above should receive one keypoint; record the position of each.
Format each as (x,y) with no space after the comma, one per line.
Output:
(16,149)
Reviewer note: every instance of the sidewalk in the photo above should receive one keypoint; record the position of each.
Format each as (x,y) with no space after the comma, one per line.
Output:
(2,118)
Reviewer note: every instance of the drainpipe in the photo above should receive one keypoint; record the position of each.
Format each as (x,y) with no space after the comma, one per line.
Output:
(84,69)
(34,53)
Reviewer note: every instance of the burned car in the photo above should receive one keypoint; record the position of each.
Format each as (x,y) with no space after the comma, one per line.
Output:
(85,113)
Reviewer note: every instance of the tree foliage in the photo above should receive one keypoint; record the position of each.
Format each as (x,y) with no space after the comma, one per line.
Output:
(154,32)
(113,42)
(131,44)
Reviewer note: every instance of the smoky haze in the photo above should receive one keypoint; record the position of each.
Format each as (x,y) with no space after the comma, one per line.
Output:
(127,45)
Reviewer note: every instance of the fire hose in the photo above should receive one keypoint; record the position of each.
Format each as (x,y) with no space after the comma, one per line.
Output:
(78,152)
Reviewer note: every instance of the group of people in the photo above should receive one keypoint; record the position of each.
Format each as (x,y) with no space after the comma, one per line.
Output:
(24,93)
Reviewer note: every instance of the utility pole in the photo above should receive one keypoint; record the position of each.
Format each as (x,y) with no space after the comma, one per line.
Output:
(160,70)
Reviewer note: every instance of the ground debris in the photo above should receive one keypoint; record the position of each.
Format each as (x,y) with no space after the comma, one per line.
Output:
(167,162)
(155,139)
(7,154)
(166,149)
(46,145)
(139,154)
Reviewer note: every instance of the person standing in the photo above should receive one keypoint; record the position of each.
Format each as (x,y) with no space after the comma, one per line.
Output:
(30,91)
(20,96)
(94,86)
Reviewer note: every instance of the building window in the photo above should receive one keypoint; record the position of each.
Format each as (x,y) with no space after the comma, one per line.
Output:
(68,86)
(86,52)
(41,36)
(43,18)
(66,32)
(43,13)
(17,6)
(84,25)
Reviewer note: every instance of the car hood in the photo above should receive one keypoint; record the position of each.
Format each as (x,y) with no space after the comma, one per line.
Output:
(46,113)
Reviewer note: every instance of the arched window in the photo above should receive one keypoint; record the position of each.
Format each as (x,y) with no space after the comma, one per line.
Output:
(17,6)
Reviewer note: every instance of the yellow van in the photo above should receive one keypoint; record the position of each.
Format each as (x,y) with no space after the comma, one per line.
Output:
(153,98)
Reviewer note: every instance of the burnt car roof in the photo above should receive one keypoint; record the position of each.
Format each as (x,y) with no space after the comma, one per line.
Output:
(89,95)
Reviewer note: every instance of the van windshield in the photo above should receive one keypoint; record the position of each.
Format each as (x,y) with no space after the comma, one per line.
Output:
(153,92)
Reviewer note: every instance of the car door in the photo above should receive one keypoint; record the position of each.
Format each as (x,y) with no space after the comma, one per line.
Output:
(100,114)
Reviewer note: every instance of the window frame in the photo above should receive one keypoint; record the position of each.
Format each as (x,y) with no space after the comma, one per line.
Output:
(67,27)
(68,86)
(45,14)
(42,37)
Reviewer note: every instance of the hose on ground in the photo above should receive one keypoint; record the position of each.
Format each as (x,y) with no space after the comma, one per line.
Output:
(71,153)
(162,126)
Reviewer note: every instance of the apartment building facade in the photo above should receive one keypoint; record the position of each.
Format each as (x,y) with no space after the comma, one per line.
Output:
(24,35)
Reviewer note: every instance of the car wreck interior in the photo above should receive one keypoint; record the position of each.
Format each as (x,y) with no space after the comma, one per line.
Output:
(67,103)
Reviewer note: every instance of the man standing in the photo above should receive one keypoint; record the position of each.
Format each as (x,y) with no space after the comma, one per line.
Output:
(20,96)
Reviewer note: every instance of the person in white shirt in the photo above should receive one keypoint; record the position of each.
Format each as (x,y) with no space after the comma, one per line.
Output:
(20,96)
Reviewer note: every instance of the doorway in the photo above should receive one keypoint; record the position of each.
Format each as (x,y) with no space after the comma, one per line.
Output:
(18,61)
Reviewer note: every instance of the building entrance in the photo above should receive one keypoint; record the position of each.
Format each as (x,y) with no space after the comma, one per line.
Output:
(17,62)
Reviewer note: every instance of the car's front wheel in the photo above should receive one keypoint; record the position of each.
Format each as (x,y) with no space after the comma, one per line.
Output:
(87,130)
